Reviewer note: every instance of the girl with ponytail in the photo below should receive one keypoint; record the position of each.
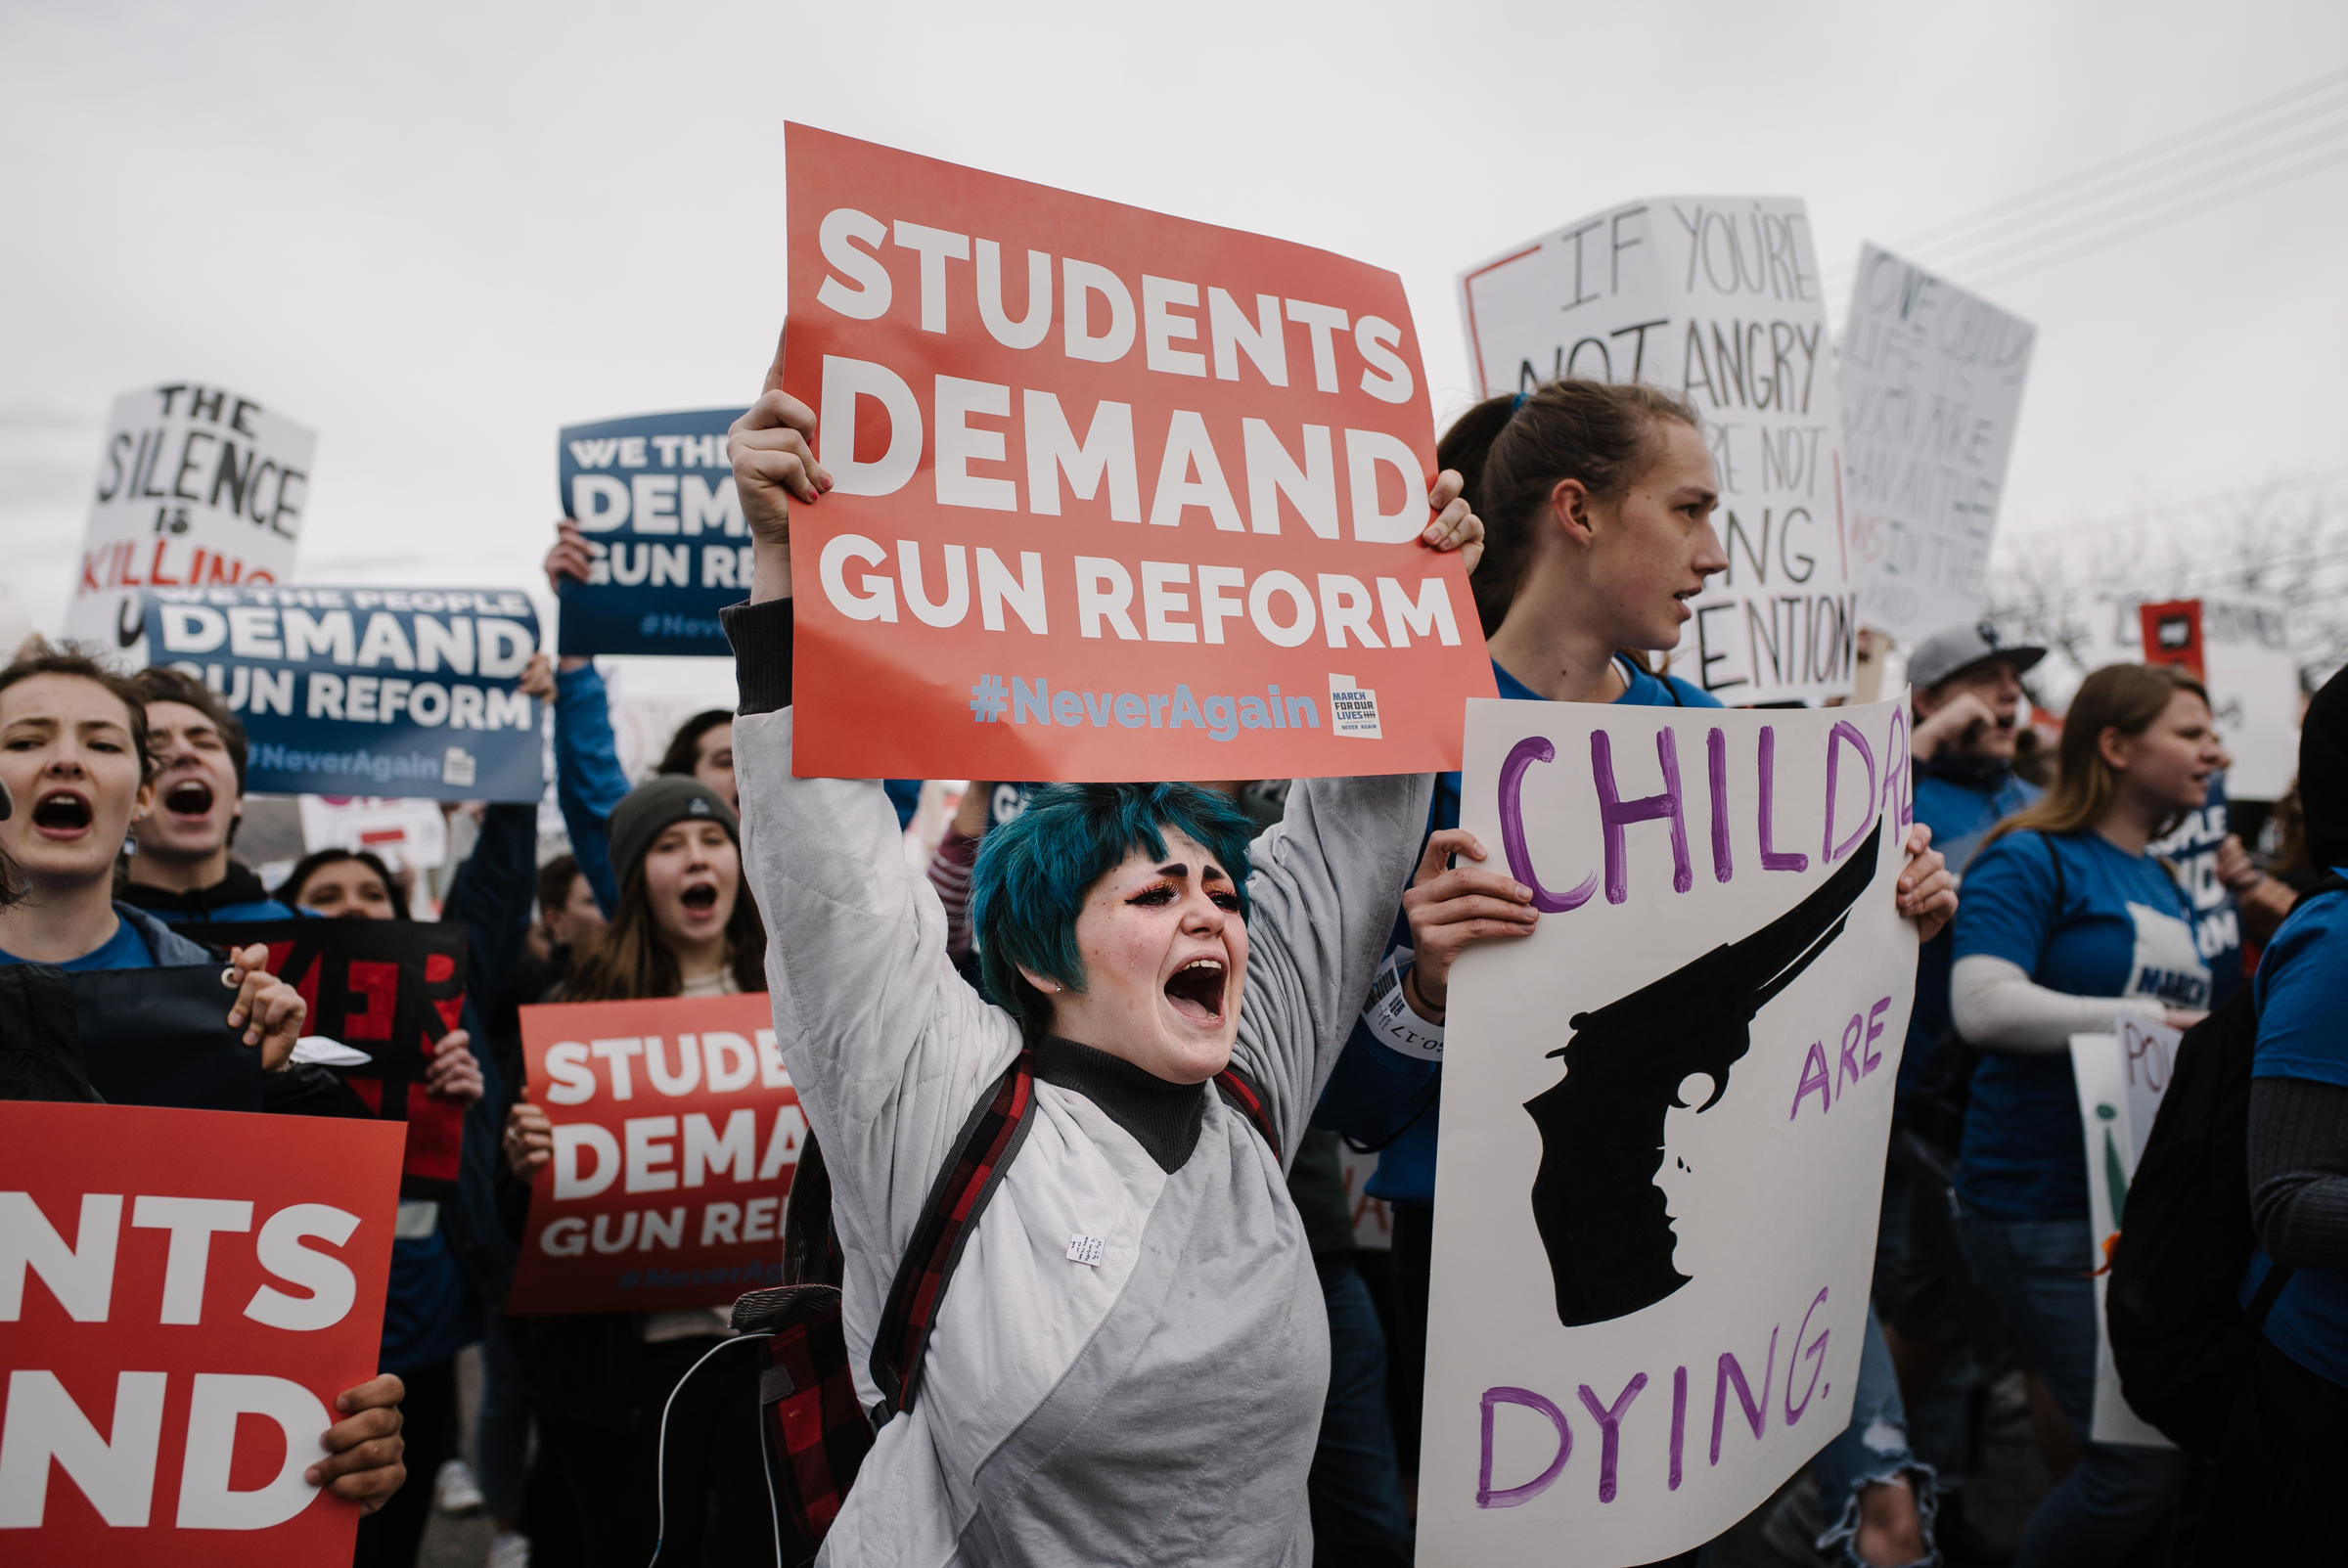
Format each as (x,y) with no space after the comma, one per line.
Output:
(1597,501)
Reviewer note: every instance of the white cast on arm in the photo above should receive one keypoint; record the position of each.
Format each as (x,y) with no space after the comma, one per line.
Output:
(1997,1006)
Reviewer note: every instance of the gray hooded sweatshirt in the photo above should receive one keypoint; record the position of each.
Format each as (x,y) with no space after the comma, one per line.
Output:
(1150,1400)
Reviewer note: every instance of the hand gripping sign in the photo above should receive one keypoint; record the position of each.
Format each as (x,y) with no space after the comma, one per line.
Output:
(1118,495)
(1664,1117)
(676,1133)
(182,1296)
(408,691)
(655,496)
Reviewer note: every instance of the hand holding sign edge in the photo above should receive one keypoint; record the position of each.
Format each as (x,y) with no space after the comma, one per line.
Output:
(774,462)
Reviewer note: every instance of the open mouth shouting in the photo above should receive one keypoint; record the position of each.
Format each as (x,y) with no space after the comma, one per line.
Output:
(64,815)
(190,798)
(699,899)
(1195,991)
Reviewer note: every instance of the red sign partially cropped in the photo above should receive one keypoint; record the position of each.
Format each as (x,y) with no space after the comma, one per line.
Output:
(182,1296)
(2172,634)
(676,1133)
(1118,495)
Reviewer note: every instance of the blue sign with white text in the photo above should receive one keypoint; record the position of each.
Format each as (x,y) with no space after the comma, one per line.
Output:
(410,691)
(655,495)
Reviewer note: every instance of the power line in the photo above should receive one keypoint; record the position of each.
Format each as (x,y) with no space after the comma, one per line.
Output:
(2089,210)
(2056,189)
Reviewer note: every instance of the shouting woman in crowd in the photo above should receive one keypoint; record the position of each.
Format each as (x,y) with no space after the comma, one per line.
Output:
(1598,503)
(2069,923)
(684,927)
(1155,1400)
(75,766)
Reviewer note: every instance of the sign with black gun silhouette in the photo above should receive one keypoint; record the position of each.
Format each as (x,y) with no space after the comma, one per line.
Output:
(1665,1122)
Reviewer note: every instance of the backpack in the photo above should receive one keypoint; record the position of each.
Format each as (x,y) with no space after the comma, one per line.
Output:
(789,1359)
(2180,1337)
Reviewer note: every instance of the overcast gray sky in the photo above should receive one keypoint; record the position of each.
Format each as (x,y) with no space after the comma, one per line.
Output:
(437,233)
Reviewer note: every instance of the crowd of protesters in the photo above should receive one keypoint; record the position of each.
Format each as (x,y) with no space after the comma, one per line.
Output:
(1129,946)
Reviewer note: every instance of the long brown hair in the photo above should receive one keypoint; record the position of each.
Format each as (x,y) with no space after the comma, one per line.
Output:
(626,960)
(2127,698)
(1514,449)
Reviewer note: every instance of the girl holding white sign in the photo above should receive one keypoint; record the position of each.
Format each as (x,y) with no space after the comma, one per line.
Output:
(1599,500)
(2069,923)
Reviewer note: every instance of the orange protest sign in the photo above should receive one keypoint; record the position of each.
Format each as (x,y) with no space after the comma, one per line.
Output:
(1118,495)
(676,1133)
(182,1296)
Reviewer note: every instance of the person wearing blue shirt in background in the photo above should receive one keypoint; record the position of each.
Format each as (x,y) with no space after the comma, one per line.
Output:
(1598,502)
(2069,923)
(183,871)
(1968,684)
(2288,1444)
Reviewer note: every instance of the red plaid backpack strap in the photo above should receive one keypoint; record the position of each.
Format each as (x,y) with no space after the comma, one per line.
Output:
(1248,1100)
(981,1154)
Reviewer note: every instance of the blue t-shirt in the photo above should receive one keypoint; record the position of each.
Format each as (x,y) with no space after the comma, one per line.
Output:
(1961,812)
(2301,1035)
(2083,917)
(2193,848)
(126,948)
(1377,1090)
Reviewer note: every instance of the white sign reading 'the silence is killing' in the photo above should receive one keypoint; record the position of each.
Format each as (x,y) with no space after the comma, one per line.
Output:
(1664,1117)
(1931,383)
(195,485)
(1715,299)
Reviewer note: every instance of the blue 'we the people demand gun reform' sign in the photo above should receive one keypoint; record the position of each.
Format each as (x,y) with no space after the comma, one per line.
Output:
(655,496)
(408,691)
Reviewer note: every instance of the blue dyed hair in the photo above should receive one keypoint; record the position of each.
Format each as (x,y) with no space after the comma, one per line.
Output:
(1033,872)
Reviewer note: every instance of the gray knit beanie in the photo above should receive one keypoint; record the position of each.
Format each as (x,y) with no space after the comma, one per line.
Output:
(649,809)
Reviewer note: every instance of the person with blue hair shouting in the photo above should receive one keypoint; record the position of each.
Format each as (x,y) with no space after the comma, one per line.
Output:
(1130,1364)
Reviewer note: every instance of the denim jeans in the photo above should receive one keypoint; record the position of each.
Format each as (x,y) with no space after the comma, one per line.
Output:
(1873,1447)
(501,1431)
(1354,1488)
(2038,1273)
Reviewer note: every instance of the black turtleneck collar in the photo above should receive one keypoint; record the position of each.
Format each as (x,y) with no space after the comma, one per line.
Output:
(1163,1118)
(242,885)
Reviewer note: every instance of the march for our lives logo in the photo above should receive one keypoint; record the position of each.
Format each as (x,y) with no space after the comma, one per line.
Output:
(1352,708)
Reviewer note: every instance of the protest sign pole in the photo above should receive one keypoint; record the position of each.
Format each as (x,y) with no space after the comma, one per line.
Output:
(1665,1116)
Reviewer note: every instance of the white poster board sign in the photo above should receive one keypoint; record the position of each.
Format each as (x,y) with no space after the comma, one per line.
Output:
(1715,299)
(1931,384)
(195,485)
(404,832)
(2253,677)
(2121,1079)
(1664,1119)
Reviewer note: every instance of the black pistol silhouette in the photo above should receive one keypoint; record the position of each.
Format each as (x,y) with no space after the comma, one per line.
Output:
(1601,1217)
